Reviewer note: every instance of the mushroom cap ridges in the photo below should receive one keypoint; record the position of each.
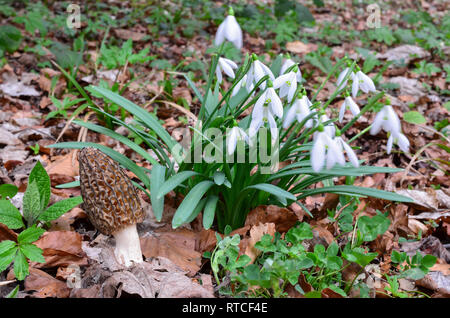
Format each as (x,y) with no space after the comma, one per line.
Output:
(110,199)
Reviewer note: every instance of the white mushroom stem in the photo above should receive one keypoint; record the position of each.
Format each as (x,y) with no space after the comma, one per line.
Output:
(128,246)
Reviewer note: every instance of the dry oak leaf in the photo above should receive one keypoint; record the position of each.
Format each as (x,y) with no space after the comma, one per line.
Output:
(299,47)
(45,285)
(64,165)
(256,233)
(176,246)
(283,218)
(61,248)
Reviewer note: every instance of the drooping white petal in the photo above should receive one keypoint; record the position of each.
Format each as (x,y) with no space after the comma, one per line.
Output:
(227,66)
(367,84)
(390,142)
(334,154)
(218,74)
(377,122)
(392,122)
(340,81)
(220,34)
(403,143)
(290,115)
(229,30)
(275,104)
(355,86)
(350,153)
(318,153)
(232,141)
(273,126)
(342,110)
(267,71)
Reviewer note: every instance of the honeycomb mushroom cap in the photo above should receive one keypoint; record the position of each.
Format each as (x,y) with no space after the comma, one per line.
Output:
(110,199)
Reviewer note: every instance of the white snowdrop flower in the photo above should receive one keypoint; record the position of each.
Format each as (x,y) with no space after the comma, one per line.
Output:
(234,135)
(363,82)
(340,81)
(287,83)
(227,66)
(287,64)
(229,30)
(325,150)
(399,139)
(257,71)
(298,111)
(259,118)
(269,98)
(242,83)
(349,104)
(348,150)
(387,120)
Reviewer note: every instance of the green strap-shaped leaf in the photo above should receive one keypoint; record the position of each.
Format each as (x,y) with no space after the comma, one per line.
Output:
(121,159)
(272,189)
(360,191)
(157,178)
(139,112)
(67,185)
(59,208)
(336,171)
(10,215)
(174,182)
(190,202)
(118,137)
(209,211)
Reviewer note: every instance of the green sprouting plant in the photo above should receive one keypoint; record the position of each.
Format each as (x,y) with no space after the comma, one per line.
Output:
(35,213)
(114,57)
(222,186)
(10,39)
(283,260)
(35,149)
(423,67)
(62,106)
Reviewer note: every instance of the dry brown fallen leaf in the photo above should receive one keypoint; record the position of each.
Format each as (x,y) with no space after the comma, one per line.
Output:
(178,246)
(256,233)
(61,248)
(299,47)
(43,285)
(63,165)
(283,218)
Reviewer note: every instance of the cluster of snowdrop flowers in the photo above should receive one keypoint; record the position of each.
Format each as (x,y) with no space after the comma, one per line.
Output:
(329,148)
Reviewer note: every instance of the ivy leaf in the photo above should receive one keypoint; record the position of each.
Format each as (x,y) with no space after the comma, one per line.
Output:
(32,252)
(42,179)
(10,215)
(59,208)
(414,117)
(31,203)
(21,269)
(8,251)
(30,235)
(8,191)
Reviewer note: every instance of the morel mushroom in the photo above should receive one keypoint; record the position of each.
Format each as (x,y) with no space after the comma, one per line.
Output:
(111,203)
